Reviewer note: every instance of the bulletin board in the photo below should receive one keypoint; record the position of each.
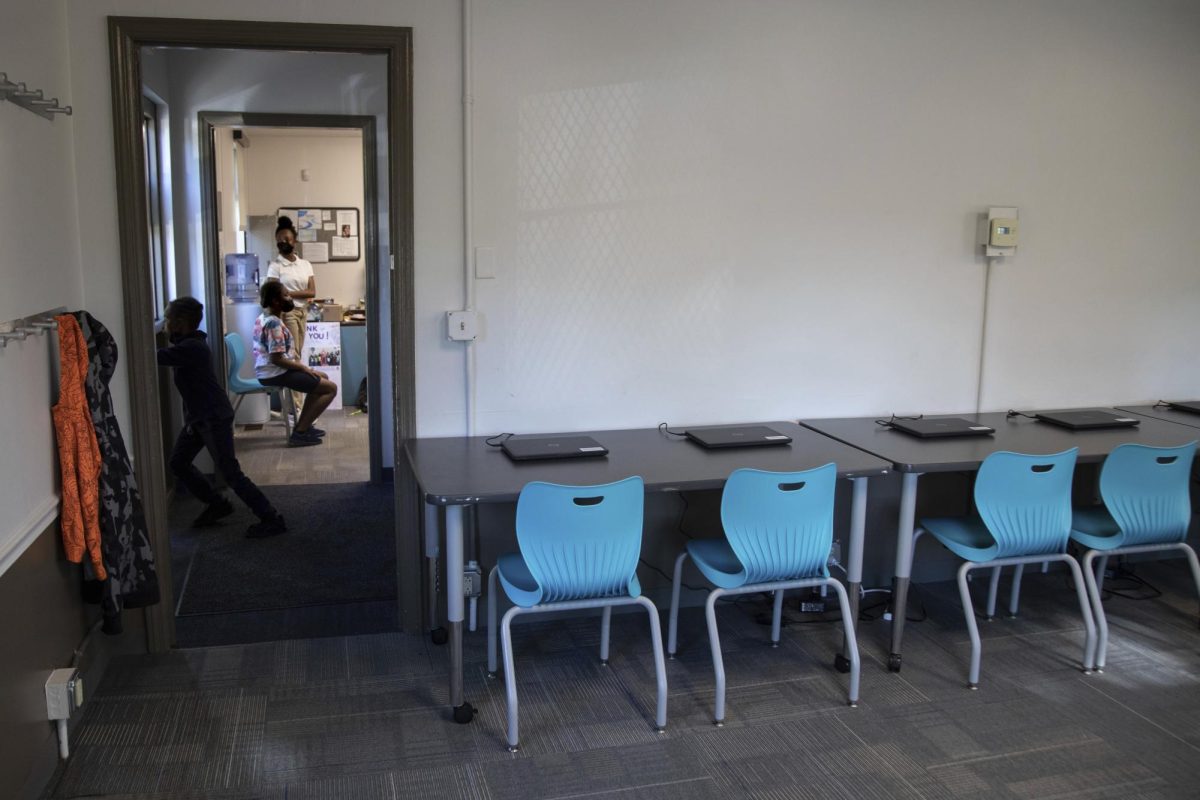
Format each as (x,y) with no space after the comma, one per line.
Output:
(331,233)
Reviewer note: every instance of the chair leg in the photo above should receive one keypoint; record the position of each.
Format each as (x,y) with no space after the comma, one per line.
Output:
(1014,598)
(285,410)
(714,643)
(510,678)
(1193,562)
(673,619)
(1089,644)
(777,618)
(964,592)
(1101,569)
(237,403)
(605,625)
(993,590)
(493,605)
(660,664)
(1097,657)
(851,640)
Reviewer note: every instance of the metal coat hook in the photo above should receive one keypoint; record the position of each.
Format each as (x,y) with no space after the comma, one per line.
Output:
(36,325)
(31,100)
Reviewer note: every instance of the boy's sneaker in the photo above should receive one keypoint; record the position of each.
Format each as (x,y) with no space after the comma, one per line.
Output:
(266,527)
(315,431)
(214,513)
(305,439)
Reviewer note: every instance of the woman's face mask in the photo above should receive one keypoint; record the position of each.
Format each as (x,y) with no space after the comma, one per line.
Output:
(285,248)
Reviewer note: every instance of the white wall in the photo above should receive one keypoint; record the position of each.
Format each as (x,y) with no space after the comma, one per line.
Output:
(710,210)
(335,167)
(717,211)
(40,259)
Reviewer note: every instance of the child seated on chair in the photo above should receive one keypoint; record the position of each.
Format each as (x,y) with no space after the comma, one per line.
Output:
(276,363)
(208,424)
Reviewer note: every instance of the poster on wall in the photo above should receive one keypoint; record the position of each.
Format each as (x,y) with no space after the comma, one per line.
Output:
(323,352)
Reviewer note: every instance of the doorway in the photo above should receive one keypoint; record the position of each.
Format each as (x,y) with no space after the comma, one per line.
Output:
(127,38)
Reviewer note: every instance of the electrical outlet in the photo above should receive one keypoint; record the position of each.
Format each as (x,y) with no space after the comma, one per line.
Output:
(462,326)
(472,580)
(64,693)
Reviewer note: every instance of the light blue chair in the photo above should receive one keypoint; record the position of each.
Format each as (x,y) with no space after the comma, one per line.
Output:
(235,352)
(778,531)
(579,548)
(1024,517)
(1147,508)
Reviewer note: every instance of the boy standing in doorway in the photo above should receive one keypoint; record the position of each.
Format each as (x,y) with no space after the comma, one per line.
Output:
(208,424)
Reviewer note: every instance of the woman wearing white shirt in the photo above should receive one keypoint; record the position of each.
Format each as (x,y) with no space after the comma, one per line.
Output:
(296,275)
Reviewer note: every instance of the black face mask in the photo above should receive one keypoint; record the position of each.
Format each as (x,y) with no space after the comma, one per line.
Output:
(287,306)
(285,248)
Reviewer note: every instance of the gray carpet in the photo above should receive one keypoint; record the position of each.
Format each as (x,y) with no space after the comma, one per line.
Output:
(339,548)
(365,717)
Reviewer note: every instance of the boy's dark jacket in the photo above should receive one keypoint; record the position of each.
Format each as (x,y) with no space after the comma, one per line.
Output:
(203,397)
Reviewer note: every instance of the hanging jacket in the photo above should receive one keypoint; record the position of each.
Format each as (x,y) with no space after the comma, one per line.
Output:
(78,452)
(130,579)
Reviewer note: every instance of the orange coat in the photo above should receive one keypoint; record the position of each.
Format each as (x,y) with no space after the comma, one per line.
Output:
(78,453)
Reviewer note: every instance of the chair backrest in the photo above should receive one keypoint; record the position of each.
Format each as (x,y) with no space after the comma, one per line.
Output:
(1146,491)
(582,541)
(780,524)
(1025,501)
(235,351)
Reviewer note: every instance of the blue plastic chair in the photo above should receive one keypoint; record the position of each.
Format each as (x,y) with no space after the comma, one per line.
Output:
(235,352)
(579,548)
(1024,517)
(1147,508)
(778,532)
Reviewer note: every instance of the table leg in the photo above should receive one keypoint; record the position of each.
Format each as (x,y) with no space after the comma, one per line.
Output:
(854,562)
(904,559)
(463,712)
(436,632)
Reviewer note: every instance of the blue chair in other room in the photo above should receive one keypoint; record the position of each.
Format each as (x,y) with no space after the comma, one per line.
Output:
(1024,517)
(1147,508)
(579,548)
(235,352)
(778,532)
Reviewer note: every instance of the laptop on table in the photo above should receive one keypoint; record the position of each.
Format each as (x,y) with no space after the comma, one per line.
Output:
(1090,419)
(1191,406)
(717,436)
(940,427)
(532,448)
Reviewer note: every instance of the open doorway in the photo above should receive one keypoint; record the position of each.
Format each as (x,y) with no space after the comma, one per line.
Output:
(384,235)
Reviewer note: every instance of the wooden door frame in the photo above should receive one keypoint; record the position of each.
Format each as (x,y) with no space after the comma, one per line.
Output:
(127,35)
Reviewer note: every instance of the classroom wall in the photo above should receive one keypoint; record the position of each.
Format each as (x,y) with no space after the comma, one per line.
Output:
(335,166)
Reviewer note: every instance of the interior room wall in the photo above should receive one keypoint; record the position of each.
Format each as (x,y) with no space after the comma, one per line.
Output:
(335,178)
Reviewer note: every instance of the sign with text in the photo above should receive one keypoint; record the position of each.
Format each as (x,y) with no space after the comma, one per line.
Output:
(323,352)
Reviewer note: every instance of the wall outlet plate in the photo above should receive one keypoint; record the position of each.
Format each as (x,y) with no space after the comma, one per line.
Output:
(64,693)
(1000,212)
(462,326)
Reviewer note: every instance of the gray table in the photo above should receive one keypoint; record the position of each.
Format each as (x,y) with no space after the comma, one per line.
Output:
(459,472)
(913,457)
(1165,414)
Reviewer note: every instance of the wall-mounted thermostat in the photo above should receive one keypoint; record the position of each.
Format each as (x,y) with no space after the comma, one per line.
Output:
(1001,232)
(462,326)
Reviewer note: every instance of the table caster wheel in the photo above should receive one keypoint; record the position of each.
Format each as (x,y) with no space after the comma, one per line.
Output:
(894,662)
(439,635)
(464,713)
(841,663)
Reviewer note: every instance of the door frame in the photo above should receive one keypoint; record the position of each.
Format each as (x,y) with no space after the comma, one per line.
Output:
(127,35)
(214,268)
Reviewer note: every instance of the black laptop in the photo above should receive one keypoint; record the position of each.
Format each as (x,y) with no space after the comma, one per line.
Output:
(940,427)
(1190,406)
(1089,419)
(531,448)
(717,436)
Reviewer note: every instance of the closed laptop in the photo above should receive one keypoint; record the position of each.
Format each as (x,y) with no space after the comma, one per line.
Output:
(530,448)
(1086,420)
(1191,406)
(940,427)
(717,436)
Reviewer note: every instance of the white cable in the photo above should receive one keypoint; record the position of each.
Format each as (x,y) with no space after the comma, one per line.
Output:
(987,283)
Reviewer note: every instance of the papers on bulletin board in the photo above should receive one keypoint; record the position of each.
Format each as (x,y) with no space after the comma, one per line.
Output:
(307,219)
(347,224)
(306,235)
(316,252)
(326,215)
(344,247)
(329,226)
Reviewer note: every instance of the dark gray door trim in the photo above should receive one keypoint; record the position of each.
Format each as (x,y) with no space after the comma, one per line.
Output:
(208,120)
(127,35)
